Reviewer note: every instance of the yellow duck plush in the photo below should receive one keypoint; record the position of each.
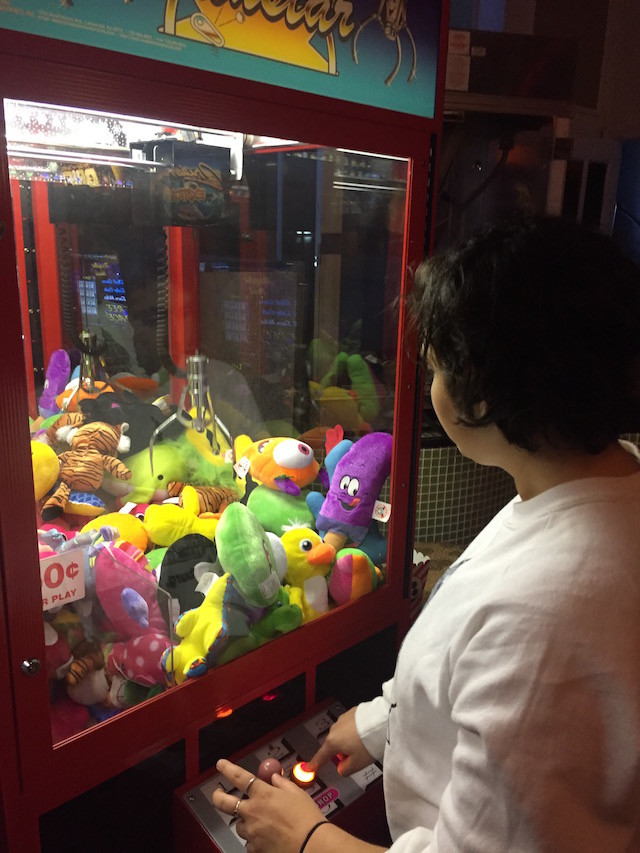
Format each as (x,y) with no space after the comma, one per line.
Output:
(309,561)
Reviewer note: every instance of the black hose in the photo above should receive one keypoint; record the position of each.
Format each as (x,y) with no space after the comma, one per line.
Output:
(162,321)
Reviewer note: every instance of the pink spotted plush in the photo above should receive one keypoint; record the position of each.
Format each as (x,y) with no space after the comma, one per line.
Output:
(121,570)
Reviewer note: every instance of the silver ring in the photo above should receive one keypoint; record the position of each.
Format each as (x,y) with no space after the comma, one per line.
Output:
(249,784)
(236,809)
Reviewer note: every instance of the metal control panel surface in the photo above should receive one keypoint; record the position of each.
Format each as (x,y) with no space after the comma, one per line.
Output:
(331,792)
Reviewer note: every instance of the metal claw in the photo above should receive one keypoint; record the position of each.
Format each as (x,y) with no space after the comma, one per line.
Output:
(204,419)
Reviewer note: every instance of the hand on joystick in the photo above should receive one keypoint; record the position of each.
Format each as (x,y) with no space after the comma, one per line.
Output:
(268,767)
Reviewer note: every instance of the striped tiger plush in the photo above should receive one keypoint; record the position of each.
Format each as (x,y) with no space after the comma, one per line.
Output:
(82,468)
(210,498)
(87,658)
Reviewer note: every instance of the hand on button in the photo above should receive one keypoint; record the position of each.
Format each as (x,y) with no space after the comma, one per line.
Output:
(301,776)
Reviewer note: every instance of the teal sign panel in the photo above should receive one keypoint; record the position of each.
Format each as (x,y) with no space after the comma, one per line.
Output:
(383,53)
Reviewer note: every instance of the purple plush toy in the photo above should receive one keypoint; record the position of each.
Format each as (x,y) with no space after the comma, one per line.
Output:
(358,477)
(56,379)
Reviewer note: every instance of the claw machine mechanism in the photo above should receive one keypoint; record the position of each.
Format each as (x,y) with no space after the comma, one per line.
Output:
(208,219)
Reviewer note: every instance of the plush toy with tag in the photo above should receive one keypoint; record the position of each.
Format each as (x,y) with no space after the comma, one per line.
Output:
(309,561)
(243,608)
(200,632)
(245,552)
(357,473)
(82,468)
(283,464)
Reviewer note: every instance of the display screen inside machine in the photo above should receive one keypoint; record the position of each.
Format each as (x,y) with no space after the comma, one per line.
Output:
(101,291)
(210,360)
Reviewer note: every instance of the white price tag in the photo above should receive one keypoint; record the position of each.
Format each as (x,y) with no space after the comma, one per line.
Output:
(62,578)
(242,467)
(381,511)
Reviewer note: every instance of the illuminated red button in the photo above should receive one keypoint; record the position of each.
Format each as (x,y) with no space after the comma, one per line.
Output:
(301,776)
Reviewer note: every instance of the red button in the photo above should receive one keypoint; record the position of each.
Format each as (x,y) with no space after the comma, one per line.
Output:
(301,776)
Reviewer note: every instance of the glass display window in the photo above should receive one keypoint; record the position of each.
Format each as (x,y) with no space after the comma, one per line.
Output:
(210,335)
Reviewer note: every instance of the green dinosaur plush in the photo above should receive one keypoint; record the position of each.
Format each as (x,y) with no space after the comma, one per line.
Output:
(277,510)
(281,618)
(245,552)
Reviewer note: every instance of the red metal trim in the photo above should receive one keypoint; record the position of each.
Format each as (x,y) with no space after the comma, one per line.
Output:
(24,295)
(184,292)
(22,637)
(47,266)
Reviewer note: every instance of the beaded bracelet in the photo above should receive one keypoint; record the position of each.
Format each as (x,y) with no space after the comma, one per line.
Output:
(310,833)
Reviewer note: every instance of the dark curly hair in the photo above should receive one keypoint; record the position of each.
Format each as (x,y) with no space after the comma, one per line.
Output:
(540,320)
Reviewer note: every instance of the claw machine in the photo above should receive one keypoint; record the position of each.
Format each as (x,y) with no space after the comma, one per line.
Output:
(208,218)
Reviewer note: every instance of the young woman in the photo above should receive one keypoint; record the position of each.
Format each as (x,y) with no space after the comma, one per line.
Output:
(512,722)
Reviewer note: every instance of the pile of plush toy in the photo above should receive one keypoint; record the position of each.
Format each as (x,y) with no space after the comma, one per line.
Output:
(191,558)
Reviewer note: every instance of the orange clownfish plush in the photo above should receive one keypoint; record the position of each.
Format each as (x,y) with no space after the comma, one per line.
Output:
(283,464)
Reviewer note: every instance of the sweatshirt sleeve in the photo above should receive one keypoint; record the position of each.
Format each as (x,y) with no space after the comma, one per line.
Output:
(371,721)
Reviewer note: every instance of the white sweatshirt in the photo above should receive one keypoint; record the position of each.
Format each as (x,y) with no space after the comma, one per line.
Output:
(513,720)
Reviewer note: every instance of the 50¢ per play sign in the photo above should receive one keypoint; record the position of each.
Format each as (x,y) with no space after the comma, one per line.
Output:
(62,577)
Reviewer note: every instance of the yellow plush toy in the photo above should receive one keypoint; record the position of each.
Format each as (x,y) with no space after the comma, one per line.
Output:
(46,466)
(130,527)
(166,523)
(338,406)
(309,561)
(199,631)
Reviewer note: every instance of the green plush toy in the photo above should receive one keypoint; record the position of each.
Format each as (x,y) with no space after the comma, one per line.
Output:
(276,511)
(352,371)
(175,460)
(151,487)
(245,552)
(282,617)
(226,624)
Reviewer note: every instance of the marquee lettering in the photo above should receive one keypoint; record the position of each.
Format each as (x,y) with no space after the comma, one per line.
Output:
(201,174)
(318,16)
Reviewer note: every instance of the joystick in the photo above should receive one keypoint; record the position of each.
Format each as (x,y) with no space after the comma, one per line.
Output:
(268,767)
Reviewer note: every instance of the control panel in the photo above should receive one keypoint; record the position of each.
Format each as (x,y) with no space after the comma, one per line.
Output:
(285,752)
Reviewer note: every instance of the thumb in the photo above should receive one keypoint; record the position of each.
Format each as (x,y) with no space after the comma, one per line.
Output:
(279,781)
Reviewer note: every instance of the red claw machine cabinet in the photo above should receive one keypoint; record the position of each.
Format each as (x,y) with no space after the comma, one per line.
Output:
(208,212)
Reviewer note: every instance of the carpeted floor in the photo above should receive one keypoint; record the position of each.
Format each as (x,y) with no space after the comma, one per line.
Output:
(441,555)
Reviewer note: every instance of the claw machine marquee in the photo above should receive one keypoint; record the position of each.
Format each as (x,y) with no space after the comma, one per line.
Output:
(204,339)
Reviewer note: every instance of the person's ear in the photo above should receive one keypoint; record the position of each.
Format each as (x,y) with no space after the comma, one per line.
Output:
(480,409)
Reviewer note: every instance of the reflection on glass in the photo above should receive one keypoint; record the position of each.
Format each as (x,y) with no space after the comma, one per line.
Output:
(210,333)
